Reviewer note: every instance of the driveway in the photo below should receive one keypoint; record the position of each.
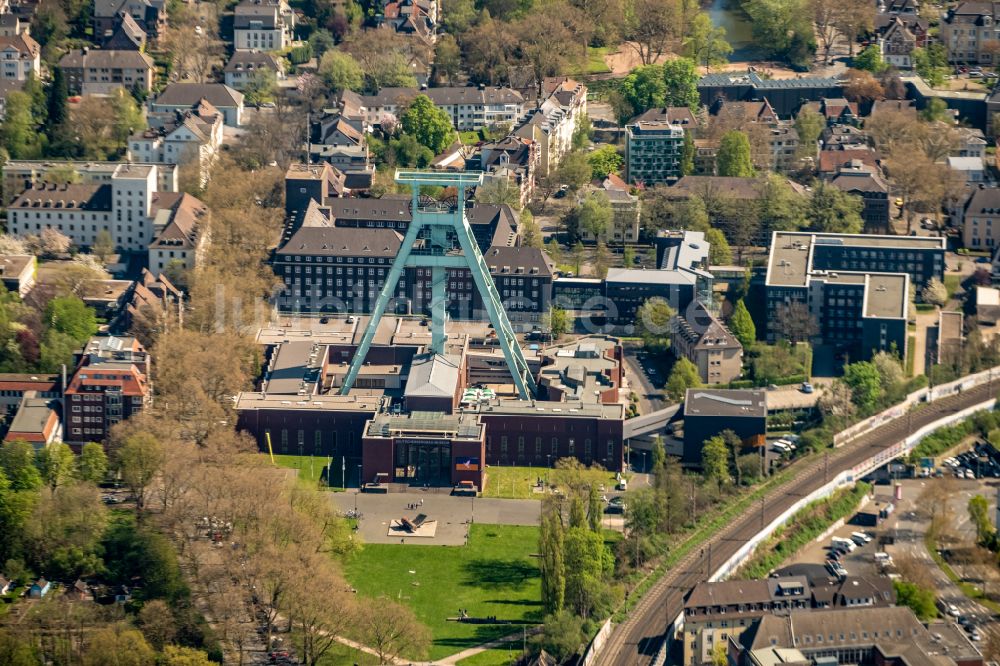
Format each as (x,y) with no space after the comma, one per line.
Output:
(640,380)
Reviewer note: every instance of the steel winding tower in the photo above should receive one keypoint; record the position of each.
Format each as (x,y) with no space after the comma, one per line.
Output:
(439,224)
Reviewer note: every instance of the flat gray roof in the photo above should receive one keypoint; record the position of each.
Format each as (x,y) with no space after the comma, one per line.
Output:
(426,424)
(791,256)
(358,401)
(725,402)
(549,408)
(887,295)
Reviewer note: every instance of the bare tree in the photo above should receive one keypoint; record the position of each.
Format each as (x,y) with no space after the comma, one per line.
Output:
(392,630)
(796,322)
(651,27)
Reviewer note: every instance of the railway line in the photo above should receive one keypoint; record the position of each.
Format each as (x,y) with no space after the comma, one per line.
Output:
(635,641)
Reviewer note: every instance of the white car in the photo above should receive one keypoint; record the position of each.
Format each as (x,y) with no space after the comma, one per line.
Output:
(969,474)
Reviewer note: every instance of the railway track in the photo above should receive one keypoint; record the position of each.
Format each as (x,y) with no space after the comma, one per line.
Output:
(635,641)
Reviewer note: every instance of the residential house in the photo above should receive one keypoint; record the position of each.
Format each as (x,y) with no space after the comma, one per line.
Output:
(17,272)
(917,26)
(36,421)
(21,56)
(310,182)
(123,208)
(973,142)
(149,15)
(897,44)
(512,160)
(12,24)
(181,226)
(968,31)
(99,72)
(470,108)
(773,142)
(624,226)
(244,66)
(838,111)
(80,591)
(971,169)
(39,588)
(338,135)
(192,136)
(554,121)
(412,17)
(126,36)
(268,25)
(189,96)
(110,385)
(855,177)
(831,161)
(979,218)
(153,300)
(697,335)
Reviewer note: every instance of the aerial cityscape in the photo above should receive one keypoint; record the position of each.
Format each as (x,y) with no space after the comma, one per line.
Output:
(499,332)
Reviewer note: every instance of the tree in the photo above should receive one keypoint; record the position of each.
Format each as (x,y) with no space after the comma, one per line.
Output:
(856,17)
(531,235)
(588,563)
(645,88)
(931,64)
(595,215)
(602,259)
(683,376)
(742,326)
(17,461)
(604,160)
(341,71)
(935,293)
(979,513)
(557,322)
(57,100)
(175,655)
(391,629)
(650,25)
(138,459)
(889,368)
(562,636)
(870,60)
(681,78)
(688,153)
(92,464)
(69,315)
(782,28)
(733,158)
(653,322)
(104,245)
(595,509)
(719,253)
(499,191)
(809,124)
(18,129)
(579,254)
(706,44)
(55,462)
(835,402)
(628,256)
(920,600)
(157,623)
(936,111)
(551,564)
(118,645)
(575,170)
(383,59)
(50,242)
(447,59)
(795,321)
(865,383)
(430,125)
(862,87)
(260,88)
(715,461)
(832,210)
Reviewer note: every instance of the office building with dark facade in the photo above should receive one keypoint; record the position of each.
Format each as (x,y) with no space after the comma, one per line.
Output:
(784,95)
(707,412)
(855,287)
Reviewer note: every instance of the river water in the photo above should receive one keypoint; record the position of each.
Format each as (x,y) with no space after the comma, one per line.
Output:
(739,33)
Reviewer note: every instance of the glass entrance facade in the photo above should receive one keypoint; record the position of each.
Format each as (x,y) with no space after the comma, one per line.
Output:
(423,461)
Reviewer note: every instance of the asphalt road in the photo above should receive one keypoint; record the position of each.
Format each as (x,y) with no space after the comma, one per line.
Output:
(636,640)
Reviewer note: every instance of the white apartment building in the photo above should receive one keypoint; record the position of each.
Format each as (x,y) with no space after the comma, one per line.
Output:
(124,207)
(555,120)
(20,56)
(268,25)
(470,108)
(180,138)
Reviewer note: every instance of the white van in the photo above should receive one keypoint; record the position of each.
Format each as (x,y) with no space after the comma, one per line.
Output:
(862,536)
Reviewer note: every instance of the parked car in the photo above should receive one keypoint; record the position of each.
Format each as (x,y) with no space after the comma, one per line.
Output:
(807,387)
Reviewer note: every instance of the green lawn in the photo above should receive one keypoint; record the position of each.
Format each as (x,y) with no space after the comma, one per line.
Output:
(952,283)
(595,60)
(517,482)
(494,656)
(310,469)
(342,654)
(494,575)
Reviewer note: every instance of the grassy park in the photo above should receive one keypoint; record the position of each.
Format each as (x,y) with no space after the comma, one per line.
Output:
(519,482)
(494,575)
